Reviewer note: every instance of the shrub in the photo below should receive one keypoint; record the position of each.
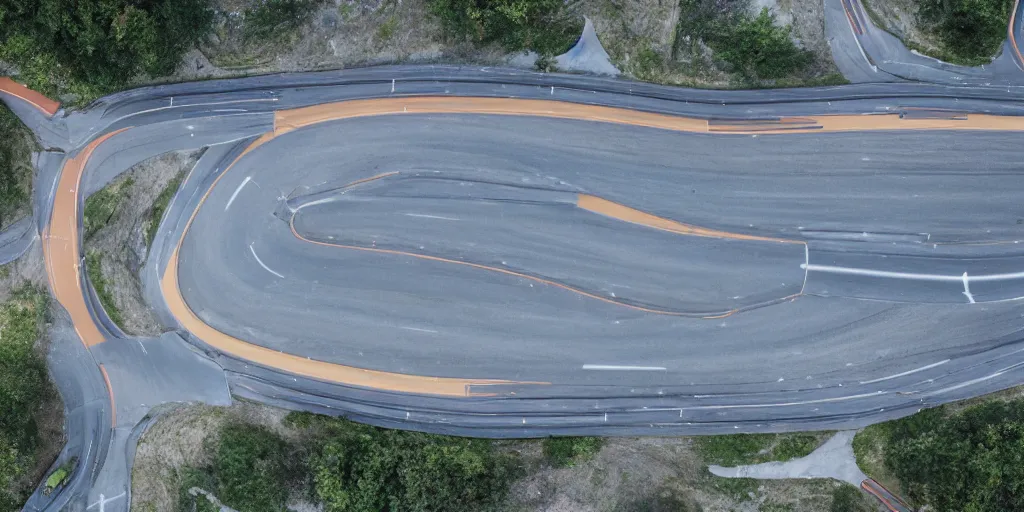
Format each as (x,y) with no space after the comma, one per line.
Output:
(16,144)
(567,451)
(738,449)
(543,26)
(251,469)
(274,19)
(758,49)
(358,468)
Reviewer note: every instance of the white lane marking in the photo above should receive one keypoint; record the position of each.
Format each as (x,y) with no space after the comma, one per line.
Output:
(921,369)
(623,368)
(967,289)
(910,275)
(237,190)
(253,251)
(807,263)
(787,404)
(965,384)
(103,501)
(417,329)
(425,216)
(392,85)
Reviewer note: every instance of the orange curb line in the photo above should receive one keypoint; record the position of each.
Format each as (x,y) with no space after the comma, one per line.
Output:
(58,263)
(110,391)
(1013,39)
(61,247)
(37,100)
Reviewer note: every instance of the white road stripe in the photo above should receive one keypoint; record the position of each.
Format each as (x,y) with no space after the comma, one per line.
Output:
(253,251)
(624,368)
(425,216)
(237,190)
(910,275)
(967,289)
(909,372)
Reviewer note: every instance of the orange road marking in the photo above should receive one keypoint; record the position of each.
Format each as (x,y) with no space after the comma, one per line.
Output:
(110,391)
(1013,38)
(61,245)
(37,100)
(869,484)
(626,214)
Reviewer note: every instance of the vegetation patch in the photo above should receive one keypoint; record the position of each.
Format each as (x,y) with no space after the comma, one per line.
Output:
(160,205)
(16,145)
(742,449)
(94,268)
(24,386)
(92,48)
(948,459)
(101,207)
(965,32)
(567,451)
(544,26)
(272,20)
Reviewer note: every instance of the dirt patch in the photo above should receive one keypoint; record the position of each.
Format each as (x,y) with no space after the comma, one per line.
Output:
(182,438)
(116,237)
(900,18)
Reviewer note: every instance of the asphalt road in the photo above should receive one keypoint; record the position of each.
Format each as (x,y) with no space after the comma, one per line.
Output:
(775,260)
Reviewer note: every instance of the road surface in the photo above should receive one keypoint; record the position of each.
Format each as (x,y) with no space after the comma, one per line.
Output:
(504,254)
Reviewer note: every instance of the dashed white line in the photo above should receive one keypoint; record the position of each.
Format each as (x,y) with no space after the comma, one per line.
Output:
(909,372)
(425,216)
(417,329)
(237,190)
(624,368)
(253,251)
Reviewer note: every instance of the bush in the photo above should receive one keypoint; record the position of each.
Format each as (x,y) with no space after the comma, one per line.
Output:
(358,468)
(970,460)
(251,469)
(543,26)
(847,498)
(971,31)
(567,451)
(92,47)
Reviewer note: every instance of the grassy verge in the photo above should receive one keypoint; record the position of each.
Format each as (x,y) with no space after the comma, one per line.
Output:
(94,266)
(742,449)
(156,214)
(16,145)
(955,457)
(568,451)
(24,389)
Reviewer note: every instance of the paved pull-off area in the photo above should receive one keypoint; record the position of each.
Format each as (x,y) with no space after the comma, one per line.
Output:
(499,253)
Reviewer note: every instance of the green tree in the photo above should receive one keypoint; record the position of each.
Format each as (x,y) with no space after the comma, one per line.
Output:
(971,461)
(90,47)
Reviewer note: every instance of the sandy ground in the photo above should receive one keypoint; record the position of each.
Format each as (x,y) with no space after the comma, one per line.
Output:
(629,474)
(122,241)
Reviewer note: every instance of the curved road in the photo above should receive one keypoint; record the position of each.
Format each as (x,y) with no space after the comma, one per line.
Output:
(502,254)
